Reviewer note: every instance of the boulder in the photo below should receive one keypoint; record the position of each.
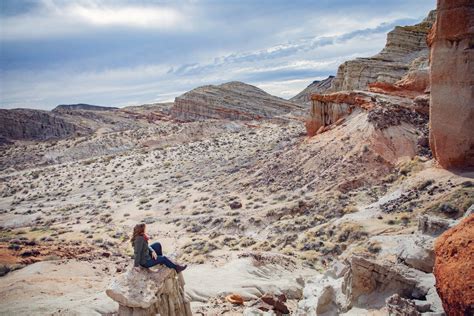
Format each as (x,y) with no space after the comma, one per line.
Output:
(454,268)
(150,292)
(416,251)
(452,90)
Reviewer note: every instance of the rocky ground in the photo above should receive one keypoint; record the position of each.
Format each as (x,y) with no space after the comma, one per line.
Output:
(214,193)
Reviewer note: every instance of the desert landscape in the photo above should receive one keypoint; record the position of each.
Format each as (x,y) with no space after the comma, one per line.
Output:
(329,203)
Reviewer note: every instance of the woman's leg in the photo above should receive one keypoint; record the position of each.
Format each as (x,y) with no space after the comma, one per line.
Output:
(167,262)
(157,247)
(160,260)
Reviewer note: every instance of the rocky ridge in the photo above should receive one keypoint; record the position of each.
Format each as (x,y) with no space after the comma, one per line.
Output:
(233,100)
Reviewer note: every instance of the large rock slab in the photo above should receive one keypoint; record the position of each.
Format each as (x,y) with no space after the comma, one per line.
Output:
(454,268)
(150,292)
(452,84)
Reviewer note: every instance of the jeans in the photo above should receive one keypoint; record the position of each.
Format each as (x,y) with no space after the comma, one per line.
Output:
(160,258)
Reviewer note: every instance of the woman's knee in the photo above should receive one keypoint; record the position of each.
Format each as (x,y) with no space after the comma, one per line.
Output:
(157,247)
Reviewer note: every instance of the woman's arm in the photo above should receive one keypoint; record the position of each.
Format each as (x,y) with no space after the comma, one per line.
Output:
(137,249)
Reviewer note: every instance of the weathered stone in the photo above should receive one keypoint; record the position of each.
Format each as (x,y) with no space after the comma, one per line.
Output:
(399,306)
(452,88)
(416,251)
(454,268)
(150,292)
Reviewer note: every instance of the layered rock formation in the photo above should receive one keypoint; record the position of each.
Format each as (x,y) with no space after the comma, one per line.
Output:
(452,84)
(233,100)
(149,292)
(35,125)
(454,268)
(318,86)
(404,46)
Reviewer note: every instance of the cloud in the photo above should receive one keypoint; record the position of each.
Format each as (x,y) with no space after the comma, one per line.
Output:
(55,19)
(121,52)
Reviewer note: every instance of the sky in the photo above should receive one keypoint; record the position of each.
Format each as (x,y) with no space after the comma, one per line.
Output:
(124,52)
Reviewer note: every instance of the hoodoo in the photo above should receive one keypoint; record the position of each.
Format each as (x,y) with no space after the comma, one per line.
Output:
(452,89)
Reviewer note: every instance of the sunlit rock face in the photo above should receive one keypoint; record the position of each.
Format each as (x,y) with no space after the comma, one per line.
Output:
(405,45)
(452,84)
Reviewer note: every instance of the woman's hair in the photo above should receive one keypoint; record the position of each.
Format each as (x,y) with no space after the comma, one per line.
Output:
(138,230)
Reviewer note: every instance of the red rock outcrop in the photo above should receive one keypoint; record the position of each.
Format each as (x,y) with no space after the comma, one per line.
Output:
(328,109)
(454,268)
(452,84)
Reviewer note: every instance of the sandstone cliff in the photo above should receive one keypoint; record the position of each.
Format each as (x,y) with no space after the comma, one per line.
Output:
(318,86)
(404,45)
(233,100)
(452,84)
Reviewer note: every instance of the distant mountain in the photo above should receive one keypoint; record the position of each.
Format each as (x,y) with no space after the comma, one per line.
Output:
(233,100)
(83,106)
(318,86)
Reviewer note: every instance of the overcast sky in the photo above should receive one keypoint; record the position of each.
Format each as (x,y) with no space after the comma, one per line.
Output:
(125,52)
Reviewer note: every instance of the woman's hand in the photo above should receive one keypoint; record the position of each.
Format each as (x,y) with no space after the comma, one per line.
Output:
(137,269)
(153,255)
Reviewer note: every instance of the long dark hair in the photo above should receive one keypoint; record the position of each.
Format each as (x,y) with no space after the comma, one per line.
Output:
(138,230)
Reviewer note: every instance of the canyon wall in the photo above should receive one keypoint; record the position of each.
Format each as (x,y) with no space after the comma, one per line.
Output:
(405,44)
(452,84)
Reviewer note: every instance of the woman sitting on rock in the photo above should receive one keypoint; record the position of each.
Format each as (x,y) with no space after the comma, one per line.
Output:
(149,256)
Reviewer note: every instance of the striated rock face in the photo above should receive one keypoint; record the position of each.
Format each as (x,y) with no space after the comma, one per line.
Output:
(150,292)
(34,125)
(454,268)
(404,46)
(452,84)
(233,100)
(318,86)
